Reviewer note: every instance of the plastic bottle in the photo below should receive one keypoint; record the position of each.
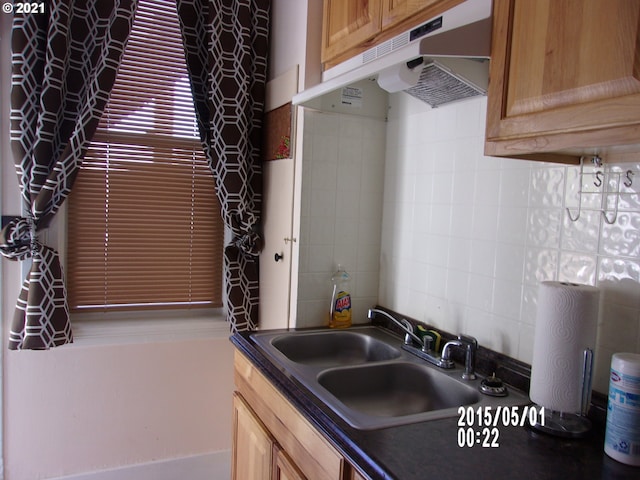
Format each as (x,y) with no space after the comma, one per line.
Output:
(340,313)
(622,437)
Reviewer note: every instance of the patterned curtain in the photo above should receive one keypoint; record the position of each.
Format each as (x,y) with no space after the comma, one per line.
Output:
(226,47)
(64,65)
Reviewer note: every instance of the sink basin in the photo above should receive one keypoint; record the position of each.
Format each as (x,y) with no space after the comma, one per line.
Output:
(333,348)
(396,389)
(365,377)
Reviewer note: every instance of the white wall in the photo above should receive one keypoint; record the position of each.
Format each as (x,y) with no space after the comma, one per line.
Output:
(467,238)
(78,409)
(295,40)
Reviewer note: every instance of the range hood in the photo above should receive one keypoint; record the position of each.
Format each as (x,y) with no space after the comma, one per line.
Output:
(439,61)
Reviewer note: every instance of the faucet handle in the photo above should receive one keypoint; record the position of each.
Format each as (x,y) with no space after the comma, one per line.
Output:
(469,340)
(426,345)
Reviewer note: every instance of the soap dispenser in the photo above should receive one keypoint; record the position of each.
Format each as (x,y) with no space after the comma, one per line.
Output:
(340,312)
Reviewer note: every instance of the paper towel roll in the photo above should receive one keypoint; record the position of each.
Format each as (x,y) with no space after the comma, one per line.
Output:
(398,77)
(566,324)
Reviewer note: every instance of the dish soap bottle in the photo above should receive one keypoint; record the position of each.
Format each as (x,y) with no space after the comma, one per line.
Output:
(340,314)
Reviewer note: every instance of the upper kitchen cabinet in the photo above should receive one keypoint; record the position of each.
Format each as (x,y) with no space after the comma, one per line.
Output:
(347,24)
(351,26)
(564,80)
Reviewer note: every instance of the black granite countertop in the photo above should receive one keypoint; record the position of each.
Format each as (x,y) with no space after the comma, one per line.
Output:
(430,449)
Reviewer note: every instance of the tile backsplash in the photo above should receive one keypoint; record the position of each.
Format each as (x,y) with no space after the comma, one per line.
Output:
(341,212)
(466,239)
(430,227)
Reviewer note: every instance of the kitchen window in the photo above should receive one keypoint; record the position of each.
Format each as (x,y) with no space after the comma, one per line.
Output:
(144,229)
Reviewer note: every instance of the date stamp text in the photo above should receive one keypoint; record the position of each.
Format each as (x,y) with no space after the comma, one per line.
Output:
(480,426)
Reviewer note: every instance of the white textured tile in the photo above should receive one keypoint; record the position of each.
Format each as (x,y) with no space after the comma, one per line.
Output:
(578,268)
(541,264)
(529,309)
(547,186)
(623,237)
(544,227)
(619,269)
(582,235)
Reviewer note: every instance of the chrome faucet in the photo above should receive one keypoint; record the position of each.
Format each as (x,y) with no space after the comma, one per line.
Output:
(404,324)
(470,344)
(424,350)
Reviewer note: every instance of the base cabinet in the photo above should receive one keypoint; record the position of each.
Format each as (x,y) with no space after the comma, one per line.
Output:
(253,446)
(272,440)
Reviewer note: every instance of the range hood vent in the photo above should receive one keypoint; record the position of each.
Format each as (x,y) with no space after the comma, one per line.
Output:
(438,85)
(452,51)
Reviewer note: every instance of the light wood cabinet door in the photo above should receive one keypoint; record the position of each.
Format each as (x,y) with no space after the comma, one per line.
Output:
(347,24)
(252,445)
(283,467)
(396,11)
(565,76)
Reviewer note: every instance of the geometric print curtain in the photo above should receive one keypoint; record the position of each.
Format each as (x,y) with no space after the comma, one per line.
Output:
(64,64)
(226,48)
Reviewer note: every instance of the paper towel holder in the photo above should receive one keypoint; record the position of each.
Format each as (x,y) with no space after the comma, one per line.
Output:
(571,425)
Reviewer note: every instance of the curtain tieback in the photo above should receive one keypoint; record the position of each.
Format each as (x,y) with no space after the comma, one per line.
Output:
(19,239)
(249,243)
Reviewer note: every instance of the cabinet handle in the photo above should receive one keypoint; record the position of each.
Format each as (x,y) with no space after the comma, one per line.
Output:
(278,256)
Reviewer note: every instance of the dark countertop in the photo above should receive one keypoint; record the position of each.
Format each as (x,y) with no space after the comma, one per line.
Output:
(430,449)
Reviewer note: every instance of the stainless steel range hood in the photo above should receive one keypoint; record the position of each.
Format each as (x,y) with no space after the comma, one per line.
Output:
(439,61)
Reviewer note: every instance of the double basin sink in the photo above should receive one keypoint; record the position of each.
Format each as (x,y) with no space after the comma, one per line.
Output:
(364,376)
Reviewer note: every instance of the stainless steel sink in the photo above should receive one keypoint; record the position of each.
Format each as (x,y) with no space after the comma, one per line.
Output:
(364,376)
(332,348)
(396,389)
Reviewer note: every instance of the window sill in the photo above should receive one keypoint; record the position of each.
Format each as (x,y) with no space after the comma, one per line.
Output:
(122,328)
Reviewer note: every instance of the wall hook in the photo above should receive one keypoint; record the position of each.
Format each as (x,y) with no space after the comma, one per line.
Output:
(629,181)
(577,217)
(604,180)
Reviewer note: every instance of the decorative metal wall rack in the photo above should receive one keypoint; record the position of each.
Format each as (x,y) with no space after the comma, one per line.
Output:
(608,183)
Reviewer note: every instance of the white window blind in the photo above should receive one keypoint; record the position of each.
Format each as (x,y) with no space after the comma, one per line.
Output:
(144,226)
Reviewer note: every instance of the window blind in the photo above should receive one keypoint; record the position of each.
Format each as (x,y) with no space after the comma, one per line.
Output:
(144,227)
